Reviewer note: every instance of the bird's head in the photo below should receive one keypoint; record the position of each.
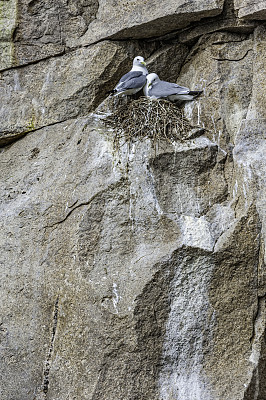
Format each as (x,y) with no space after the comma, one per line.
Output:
(152,79)
(139,61)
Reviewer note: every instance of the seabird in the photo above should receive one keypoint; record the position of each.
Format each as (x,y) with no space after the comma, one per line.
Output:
(134,80)
(157,89)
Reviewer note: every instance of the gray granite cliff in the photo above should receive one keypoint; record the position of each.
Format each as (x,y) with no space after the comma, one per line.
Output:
(139,274)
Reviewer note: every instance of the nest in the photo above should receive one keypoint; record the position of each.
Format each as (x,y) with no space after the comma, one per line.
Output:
(148,118)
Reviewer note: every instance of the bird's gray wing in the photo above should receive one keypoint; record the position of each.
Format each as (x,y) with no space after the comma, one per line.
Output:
(131,80)
(165,89)
(130,75)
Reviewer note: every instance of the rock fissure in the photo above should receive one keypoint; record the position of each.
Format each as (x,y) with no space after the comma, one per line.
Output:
(257,316)
(233,59)
(38,61)
(12,137)
(47,365)
(70,50)
(85,203)
(56,4)
(229,41)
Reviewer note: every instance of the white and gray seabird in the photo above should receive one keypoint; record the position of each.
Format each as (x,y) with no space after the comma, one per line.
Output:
(134,80)
(157,89)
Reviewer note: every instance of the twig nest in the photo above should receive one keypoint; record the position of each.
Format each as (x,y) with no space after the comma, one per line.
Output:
(148,118)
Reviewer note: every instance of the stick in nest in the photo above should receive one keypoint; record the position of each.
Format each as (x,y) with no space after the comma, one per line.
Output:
(148,118)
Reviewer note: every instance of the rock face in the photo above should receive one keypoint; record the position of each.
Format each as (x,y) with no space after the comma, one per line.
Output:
(57,89)
(138,273)
(147,19)
(251,10)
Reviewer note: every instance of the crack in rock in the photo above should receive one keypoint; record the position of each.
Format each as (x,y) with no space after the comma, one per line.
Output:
(51,348)
(85,203)
(232,59)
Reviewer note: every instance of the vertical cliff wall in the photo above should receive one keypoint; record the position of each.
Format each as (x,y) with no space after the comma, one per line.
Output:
(134,274)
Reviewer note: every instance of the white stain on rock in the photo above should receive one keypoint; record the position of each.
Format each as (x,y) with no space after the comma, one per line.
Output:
(182,377)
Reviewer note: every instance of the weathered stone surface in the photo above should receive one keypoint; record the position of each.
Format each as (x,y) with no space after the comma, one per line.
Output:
(227,21)
(58,89)
(256,108)
(171,55)
(42,29)
(87,203)
(136,274)
(233,100)
(145,19)
(92,210)
(221,65)
(231,24)
(233,82)
(174,180)
(8,14)
(192,367)
(45,27)
(249,9)
(36,30)
(111,258)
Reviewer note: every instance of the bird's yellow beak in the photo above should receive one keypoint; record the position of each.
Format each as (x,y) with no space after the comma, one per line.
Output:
(149,85)
(143,62)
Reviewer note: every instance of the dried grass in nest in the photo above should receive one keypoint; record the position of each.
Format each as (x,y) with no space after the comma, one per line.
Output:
(148,118)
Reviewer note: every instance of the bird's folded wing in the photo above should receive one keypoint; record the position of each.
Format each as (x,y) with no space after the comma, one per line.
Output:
(130,75)
(133,80)
(164,89)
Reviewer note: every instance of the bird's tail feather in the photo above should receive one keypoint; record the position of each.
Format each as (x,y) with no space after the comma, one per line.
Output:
(195,93)
(112,92)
